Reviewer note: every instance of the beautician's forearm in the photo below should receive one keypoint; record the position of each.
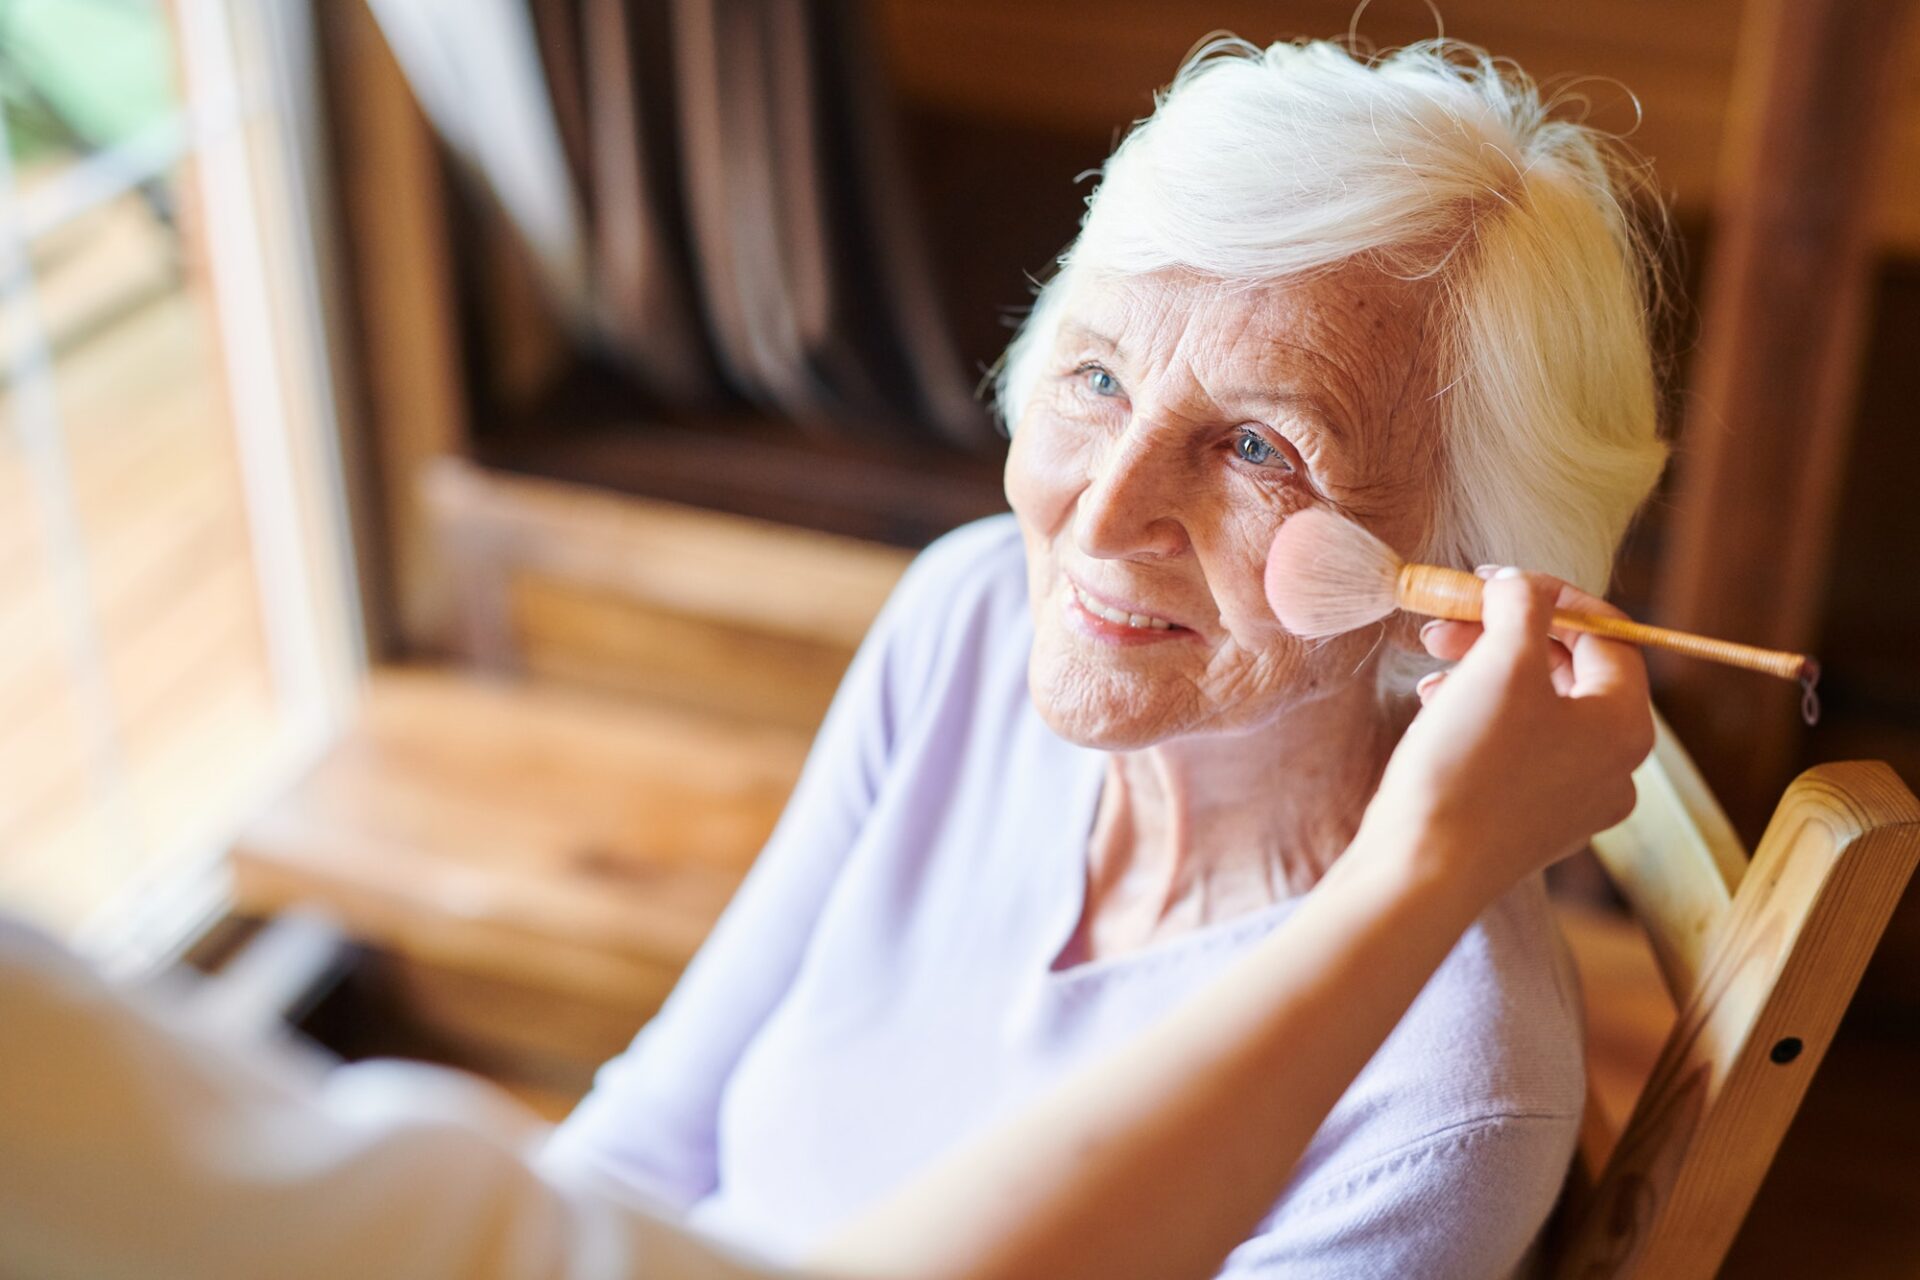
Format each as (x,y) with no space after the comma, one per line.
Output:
(1154,1163)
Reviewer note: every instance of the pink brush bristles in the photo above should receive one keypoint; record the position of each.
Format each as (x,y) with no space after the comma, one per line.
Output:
(1326,575)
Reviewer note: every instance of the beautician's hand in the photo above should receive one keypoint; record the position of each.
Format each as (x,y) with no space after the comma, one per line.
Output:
(1526,747)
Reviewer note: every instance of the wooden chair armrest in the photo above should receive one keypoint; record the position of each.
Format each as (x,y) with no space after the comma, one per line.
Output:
(1802,926)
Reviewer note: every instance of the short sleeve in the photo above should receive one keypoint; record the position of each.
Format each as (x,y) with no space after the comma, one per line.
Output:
(1465,1204)
(650,1123)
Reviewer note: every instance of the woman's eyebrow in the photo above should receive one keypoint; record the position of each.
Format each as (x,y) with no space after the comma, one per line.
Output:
(1076,329)
(1297,401)
(1311,406)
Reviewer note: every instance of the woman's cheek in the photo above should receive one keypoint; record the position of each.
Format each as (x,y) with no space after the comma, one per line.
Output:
(1239,552)
(1046,469)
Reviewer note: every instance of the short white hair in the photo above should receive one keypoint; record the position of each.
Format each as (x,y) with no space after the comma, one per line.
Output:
(1433,161)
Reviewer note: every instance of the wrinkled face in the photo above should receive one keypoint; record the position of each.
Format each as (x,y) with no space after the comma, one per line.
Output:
(1177,423)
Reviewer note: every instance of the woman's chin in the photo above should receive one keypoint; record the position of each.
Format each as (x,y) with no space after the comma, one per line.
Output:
(1101,709)
(1095,731)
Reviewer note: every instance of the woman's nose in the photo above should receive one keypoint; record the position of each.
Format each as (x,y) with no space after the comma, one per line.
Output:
(1130,508)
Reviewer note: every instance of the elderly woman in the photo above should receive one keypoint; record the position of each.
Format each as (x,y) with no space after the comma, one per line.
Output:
(1078,767)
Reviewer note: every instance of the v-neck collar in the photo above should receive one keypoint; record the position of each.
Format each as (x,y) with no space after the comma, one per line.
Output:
(1070,873)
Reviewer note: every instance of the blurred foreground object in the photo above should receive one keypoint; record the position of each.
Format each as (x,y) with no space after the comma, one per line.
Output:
(142,1140)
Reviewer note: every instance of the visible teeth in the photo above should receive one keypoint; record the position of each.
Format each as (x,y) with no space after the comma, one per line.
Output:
(1141,620)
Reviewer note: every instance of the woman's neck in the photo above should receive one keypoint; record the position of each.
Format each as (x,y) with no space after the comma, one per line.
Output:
(1204,829)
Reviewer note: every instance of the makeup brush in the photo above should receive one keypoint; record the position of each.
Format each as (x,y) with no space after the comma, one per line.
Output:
(1326,576)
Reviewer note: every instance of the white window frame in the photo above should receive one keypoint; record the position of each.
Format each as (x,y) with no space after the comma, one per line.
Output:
(249,138)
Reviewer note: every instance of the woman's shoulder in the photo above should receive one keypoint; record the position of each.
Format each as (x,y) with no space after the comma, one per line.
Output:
(1511,984)
(1467,1203)
(1511,988)
(1513,976)
(1449,1148)
(1494,1042)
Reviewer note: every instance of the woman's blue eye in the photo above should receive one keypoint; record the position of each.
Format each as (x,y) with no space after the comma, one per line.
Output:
(1102,383)
(1252,448)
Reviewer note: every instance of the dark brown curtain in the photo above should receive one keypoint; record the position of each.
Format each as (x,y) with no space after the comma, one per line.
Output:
(743,229)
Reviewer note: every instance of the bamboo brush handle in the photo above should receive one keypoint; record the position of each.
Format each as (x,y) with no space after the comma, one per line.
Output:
(1454,593)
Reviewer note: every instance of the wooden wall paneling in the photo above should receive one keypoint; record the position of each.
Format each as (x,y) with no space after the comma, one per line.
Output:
(730,567)
(1005,60)
(696,608)
(395,215)
(574,633)
(1768,425)
(757,469)
(528,350)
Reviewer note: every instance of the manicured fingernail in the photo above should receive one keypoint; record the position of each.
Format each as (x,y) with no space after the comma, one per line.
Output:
(1425,627)
(1427,682)
(1485,570)
(1508,572)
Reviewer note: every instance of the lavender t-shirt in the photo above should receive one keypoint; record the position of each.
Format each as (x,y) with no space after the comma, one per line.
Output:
(884,985)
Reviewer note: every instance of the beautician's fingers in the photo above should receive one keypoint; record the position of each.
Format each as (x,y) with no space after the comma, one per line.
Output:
(1573,600)
(1610,670)
(1609,690)
(1430,683)
(1459,636)
(1568,598)
(1609,685)
(1560,661)
(1449,641)
(1515,612)
(1602,668)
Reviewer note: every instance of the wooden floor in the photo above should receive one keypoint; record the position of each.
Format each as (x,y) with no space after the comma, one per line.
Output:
(99,774)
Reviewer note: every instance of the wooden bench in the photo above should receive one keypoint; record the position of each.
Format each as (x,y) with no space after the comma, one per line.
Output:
(533,846)
(532,865)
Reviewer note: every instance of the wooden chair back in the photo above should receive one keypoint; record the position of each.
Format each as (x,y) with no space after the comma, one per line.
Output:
(1762,958)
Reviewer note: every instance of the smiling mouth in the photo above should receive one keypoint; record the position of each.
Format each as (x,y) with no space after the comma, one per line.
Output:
(1137,621)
